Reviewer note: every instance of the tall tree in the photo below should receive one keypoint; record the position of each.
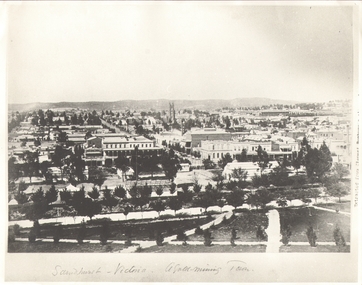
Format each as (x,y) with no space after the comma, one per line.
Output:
(225,160)
(51,195)
(122,163)
(170,164)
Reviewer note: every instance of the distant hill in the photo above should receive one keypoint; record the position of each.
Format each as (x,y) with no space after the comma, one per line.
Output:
(160,104)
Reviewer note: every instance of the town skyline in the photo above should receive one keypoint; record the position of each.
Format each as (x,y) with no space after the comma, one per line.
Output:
(188,51)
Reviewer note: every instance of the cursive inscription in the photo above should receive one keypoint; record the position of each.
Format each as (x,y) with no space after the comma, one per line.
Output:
(177,268)
(59,270)
(129,269)
(237,266)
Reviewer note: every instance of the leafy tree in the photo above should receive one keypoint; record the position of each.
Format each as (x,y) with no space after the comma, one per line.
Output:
(77,164)
(90,208)
(122,163)
(219,179)
(108,200)
(296,163)
(239,174)
(159,190)
(59,156)
(174,204)
(140,195)
(158,206)
(264,197)
(74,119)
(126,210)
(21,198)
(260,180)
(282,202)
(172,188)
(243,157)
(85,206)
(338,190)
(312,236)
(94,194)
(32,163)
(170,164)
(340,170)
(235,198)
(186,195)
(261,234)
(263,158)
(81,233)
(181,236)
(13,169)
(62,137)
(278,177)
(66,196)
(38,207)
(225,160)
(286,234)
(51,195)
(208,164)
(197,188)
(338,237)
(318,162)
(104,233)
(58,233)
(150,163)
(314,193)
(120,192)
(97,176)
(207,238)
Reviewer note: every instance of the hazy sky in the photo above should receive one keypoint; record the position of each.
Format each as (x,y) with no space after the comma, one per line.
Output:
(107,51)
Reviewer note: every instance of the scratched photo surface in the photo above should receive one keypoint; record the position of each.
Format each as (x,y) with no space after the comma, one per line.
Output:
(182,141)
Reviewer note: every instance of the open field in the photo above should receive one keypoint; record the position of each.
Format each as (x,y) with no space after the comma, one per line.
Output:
(318,248)
(38,246)
(343,206)
(323,223)
(244,223)
(140,230)
(204,249)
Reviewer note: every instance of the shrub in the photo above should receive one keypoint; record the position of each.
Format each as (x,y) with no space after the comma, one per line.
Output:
(181,235)
(207,238)
(312,236)
(32,235)
(261,234)
(104,234)
(159,239)
(16,229)
(199,231)
(213,227)
(212,212)
(338,237)
(57,233)
(11,235)
(166,217)
(81,233)
(286,234)
(36,227)
(139,249)
(233,233)
(128,241)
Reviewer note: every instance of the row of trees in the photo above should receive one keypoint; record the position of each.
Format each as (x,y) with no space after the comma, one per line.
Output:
(41,118)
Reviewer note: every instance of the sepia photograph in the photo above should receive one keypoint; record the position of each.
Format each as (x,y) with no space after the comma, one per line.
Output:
(181,141)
